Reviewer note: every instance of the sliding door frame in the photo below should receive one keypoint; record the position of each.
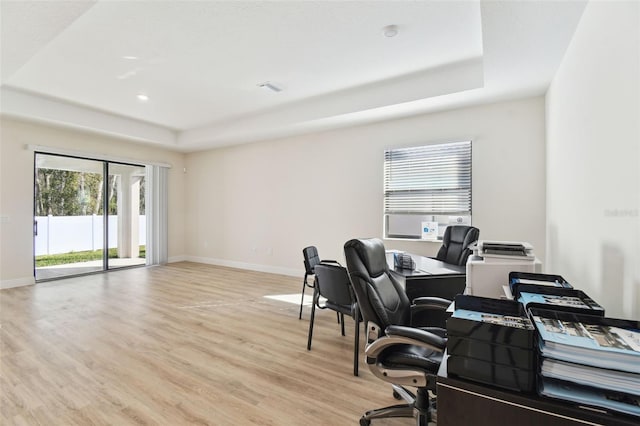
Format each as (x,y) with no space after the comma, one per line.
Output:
(105,208)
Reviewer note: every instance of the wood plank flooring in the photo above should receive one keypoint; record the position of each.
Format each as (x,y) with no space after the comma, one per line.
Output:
(182,344)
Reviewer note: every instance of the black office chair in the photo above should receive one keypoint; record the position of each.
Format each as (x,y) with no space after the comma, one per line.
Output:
(332,283)
(397,352)
(456,244)
(311,259)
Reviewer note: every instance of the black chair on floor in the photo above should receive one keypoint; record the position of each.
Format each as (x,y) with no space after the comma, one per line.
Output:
(397,351)
(332,283)
(311,259)
(456,243)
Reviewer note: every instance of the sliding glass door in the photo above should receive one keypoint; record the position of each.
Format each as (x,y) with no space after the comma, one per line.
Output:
(89,216)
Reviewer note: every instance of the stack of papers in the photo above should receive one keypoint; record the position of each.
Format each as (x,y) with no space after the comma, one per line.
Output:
(590,362)
(619,381)
(611,400)
(590,344)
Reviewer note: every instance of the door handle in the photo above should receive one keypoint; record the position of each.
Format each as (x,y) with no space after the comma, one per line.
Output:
(35,228)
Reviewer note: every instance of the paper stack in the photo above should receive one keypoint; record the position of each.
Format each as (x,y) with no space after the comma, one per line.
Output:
(589,360)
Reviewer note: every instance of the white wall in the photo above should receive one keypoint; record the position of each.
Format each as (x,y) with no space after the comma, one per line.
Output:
(258,205)
(593,159)
(16,188)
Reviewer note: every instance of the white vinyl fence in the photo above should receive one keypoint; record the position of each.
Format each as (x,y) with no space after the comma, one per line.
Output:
(63,234)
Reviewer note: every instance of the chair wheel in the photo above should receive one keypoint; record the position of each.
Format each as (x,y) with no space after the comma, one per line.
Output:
(396,395)
(364,421)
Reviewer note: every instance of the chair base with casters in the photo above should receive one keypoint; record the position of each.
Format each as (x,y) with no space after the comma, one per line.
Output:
(406,356)
(419,406)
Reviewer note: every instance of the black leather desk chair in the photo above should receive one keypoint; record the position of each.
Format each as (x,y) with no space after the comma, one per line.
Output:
(397,353)
(455,244)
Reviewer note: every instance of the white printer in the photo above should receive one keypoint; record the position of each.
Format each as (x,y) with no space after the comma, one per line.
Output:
(489,266)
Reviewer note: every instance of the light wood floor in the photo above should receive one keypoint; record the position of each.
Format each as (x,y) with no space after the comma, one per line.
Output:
(180,344)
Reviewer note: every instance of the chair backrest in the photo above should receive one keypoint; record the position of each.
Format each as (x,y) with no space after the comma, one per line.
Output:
(333,284)
(456,242)
(311,259)
(381,296)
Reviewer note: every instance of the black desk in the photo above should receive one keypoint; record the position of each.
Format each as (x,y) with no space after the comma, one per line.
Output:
(461,403)
(431,277)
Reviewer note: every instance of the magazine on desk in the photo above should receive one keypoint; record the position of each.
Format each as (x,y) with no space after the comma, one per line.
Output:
(553,300)
(619,381)
(490,318)
(608,399)
(556,298)
(536,282)
(595,345)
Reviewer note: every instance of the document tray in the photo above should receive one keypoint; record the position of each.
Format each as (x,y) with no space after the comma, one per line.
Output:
(521,278)
(515,329)
(496,353)
(557,299)
(492,374)
(491,341)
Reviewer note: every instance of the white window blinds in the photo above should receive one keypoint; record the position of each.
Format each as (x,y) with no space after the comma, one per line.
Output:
(428,180)
(157,204)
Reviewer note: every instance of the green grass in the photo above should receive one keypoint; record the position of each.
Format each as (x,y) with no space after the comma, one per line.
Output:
(78,256)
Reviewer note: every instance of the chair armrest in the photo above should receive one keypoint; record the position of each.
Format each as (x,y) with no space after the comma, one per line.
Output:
(398,334)
(442,332)
(421,304)
(421,335)
(433,302)
(434,307)
(330,261)
(401,335)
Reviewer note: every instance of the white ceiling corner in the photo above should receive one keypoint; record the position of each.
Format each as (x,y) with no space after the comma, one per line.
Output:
(200,63)
(28,26)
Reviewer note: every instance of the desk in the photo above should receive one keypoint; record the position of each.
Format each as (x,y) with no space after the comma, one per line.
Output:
(431,277)
(461,402)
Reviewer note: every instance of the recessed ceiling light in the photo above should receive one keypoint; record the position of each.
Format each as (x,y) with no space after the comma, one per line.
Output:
(130,57)
(142,97)
(270,86)
(390,31)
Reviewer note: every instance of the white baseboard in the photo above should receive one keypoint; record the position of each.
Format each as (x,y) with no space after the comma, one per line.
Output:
(249,266)
(21,282)
(18,282)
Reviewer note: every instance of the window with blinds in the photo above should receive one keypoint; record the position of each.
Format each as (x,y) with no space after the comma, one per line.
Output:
(426,184)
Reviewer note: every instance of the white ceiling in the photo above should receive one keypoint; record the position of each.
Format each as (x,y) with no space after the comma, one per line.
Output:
(82,64)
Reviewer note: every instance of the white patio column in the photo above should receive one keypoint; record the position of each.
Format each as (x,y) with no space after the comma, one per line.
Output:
(128,213)
(124,213)
(134,217)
